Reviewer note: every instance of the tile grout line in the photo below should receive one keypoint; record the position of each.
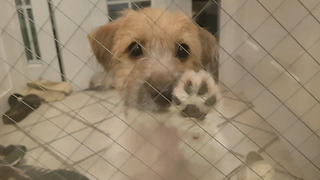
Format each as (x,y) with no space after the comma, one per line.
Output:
(103,150)
(46,148)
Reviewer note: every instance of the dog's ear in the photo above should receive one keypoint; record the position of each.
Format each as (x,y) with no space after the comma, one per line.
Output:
(101,42)
(209,57)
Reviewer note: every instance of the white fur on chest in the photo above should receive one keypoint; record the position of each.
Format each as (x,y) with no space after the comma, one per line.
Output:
(163,145)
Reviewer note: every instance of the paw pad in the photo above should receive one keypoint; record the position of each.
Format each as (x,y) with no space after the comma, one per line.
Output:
(195,94)
(203,88)
(193,111)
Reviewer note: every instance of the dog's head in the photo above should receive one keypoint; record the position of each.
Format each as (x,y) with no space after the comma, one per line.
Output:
(145,52)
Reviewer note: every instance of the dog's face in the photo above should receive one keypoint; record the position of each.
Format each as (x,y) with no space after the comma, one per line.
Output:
(146,51)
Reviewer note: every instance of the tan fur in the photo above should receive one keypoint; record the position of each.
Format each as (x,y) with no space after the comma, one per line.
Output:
(159,32)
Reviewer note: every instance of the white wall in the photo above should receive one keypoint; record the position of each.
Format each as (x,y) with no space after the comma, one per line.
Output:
(75,20)
(15,70)
(6,85)
(77,56)
(179,5)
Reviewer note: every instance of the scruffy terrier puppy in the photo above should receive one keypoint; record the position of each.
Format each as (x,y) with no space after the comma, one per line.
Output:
(164,67)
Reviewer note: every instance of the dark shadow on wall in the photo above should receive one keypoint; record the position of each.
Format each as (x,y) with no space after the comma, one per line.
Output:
(206,15)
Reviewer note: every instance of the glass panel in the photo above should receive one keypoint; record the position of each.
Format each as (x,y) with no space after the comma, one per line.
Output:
(206,14)
(139,5)
(34,34)
(18,2)
(115,9)
(27,2)
(24,32)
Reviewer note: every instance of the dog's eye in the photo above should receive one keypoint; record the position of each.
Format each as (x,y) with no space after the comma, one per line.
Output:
(183,51)
(135,50)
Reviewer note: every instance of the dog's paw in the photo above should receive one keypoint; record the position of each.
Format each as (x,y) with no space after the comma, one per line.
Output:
(195,94)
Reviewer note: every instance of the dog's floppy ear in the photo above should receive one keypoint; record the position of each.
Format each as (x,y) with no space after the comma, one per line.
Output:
(101,42)
(209,57)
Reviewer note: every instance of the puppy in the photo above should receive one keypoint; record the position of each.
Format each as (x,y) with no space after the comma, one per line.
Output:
(163,67)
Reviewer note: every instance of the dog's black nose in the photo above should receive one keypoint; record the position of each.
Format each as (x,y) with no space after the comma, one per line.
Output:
(161,93)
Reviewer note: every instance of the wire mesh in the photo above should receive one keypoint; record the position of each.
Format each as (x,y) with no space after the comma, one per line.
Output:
(268,75)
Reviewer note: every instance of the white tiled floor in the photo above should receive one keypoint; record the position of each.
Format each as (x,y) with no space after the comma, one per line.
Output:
(85,138)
